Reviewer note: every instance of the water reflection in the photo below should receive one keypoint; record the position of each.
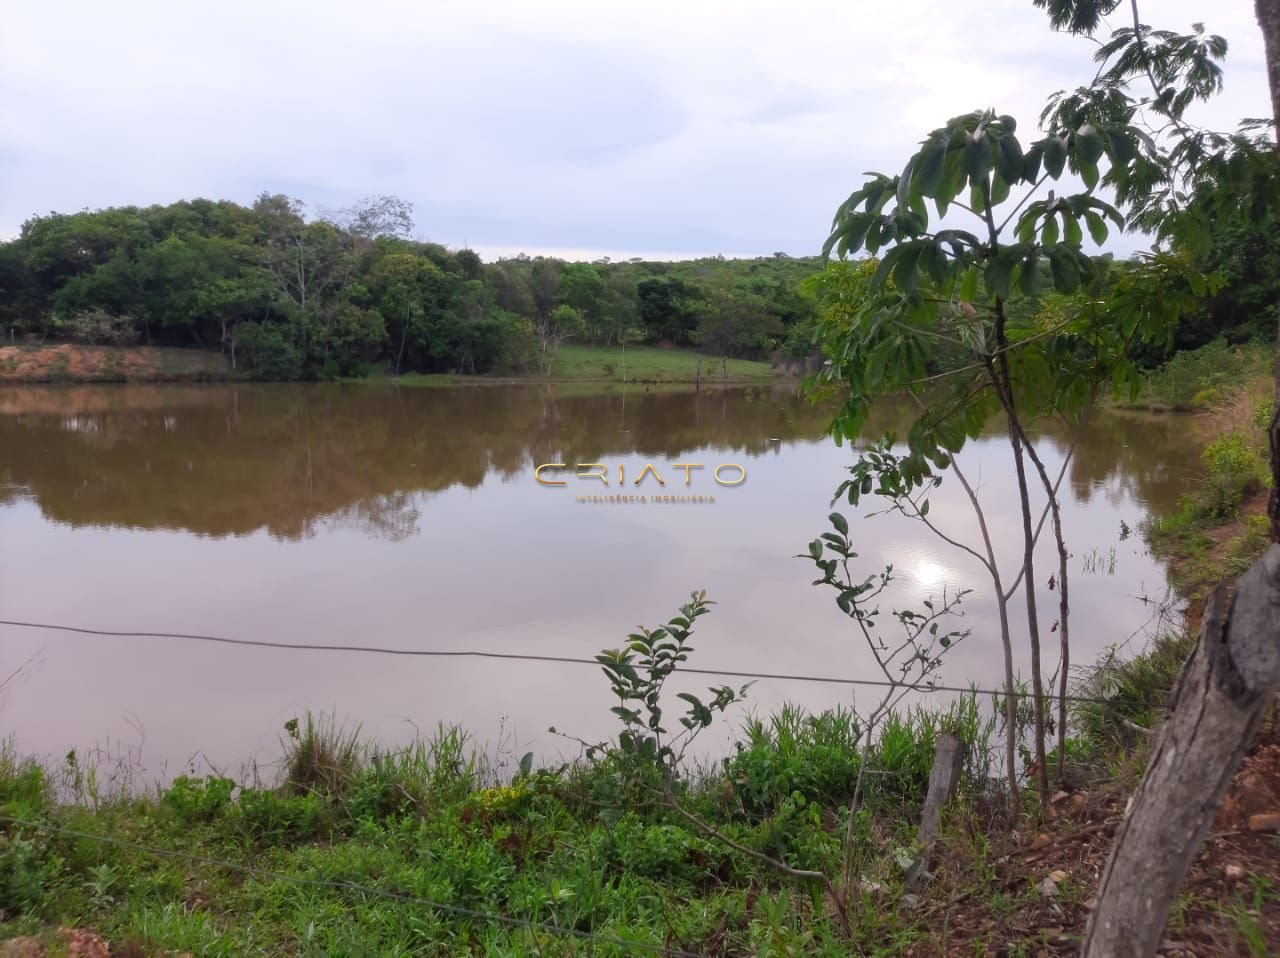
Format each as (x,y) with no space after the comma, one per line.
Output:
(409,518)
(232,460)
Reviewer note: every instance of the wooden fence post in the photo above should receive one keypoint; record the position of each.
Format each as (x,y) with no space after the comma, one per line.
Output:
(1214,711)
(944,777)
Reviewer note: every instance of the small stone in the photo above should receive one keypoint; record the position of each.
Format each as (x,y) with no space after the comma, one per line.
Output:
(1234,873)
(1090,903)
(83,944)
(1048,888)
(1057,876)
(910,901)
(1040,841)
(1266,822)
(22,948)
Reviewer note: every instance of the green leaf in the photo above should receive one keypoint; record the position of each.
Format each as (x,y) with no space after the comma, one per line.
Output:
(1065,269)
(1121,146)
(881,275)
(935,262)
(977,197)
(1071,229)
(1055,156)
(999,274)
(977,162)
(840,523)
(999,189)
(903,195)
(815,549)
(1029,279)
(1049,234)
(1097,226)
(928,170)
(1031,162)
(1027,224)
(952,181)
(1089,145)
(1011,159)
(904,274)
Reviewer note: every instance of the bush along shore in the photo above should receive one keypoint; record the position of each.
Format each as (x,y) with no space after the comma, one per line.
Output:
(804,840)
(1219,526)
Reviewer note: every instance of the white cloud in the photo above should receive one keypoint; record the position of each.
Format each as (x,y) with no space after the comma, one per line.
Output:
(694,127)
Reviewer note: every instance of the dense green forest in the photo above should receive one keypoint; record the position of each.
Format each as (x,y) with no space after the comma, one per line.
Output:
(286,295)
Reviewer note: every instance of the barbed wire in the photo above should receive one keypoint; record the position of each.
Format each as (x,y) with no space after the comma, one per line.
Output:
(522,657)
(354,887)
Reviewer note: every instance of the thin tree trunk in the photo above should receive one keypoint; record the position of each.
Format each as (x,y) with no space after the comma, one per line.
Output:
(1003,382)
(1064,644)
(1064,605)
(1215,709)
(1006,641)
(404,338)
(1033,626)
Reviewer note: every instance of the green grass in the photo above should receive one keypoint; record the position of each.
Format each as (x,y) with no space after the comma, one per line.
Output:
(606,365)
(442,822)
(650,364)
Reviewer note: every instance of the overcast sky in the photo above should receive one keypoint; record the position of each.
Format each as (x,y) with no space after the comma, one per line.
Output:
(574,128)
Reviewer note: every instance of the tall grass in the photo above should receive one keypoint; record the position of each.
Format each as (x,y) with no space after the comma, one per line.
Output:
(24,785)
(1127,696)
(817,755)
(322,755)
(326,757)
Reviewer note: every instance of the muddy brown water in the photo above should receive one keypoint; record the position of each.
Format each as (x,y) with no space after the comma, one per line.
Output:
(411,519)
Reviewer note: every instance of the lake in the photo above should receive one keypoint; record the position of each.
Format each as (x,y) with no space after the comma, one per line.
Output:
(410,518)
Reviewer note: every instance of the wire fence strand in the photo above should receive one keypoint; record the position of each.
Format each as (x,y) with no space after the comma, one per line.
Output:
(355,888)
(519,657)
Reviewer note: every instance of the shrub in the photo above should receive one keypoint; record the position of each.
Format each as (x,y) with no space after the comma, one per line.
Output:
(198,800)
(815,756)
(660,852)
(1203,377)
(1234,473)
(27,869)
(272,818)
(97,327)
(267,351)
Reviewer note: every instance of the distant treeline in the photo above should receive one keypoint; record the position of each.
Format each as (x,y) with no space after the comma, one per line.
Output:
(287,295)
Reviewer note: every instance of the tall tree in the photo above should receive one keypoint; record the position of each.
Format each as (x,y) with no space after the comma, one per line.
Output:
(1268,12)
(1233,673)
